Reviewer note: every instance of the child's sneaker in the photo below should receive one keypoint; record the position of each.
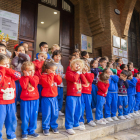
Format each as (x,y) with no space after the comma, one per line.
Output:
(82,124)
(115,118)
(109,119)
(13,139)
(35,135)
(79,128)
(137,113)
(70,131)
(104,120)
(92,123)
(100,121)
(122,118)
(24,137)
(127,117)
(55,131)
(130,115)
(133,114)
(46,132)
(61,114)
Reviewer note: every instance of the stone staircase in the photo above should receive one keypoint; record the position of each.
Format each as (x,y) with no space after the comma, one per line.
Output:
(91,133)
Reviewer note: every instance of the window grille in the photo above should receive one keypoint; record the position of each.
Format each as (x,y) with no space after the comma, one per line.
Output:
(50,2)
(66,6)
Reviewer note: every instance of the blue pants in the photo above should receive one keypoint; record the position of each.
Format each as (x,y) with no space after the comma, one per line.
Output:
(73,111)
(131,103)
(60,97)
(8,117)
(29,113)
(86,106)
(94,96)
(111,104)
(18,91)
(137,97)
(122,105)
(99,107)
(39,90)
(49,112)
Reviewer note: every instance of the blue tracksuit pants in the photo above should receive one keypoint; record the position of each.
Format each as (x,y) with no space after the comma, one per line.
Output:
(73,111)
(131,103)
(29,113)
(60,97)
(18,91)
(137,97)
(39,90)
(99,107)
(86,106)
(111,104)
(8,117)
(122,105)
(49,112)
(94,96)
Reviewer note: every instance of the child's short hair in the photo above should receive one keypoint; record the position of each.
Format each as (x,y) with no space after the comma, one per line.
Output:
(56,52)
(44,54)
(102,60)
(2,45)
(104,77)
(86,64)
(122,66)
(129,74)
(55,46)
(92,62)
(71,56)
(47,65)
(106,58)
(76,51)
(84,53)
(135,74)
(104,71)
(42,44)
(130,63)
(27,64)
(3,57)
(77,60)
(124,72)
(108,64)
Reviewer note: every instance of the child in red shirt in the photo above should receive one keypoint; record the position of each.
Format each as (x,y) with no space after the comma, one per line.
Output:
(86,97)
(29,100)
(73,99)
(7,97)
(71,57)
(131,68)
(103,85)
(118,69)
(49,102)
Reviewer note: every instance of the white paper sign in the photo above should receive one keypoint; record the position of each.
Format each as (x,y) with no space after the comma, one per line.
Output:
(123,44)
(115,51)
(120,52)
(125,61)
(125,54)
(116,41)
(9,24)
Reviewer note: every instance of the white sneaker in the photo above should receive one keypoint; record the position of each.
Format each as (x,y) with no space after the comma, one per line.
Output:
(92,123)
(109,119)
(61,114)
(133,114)
(100,122)
(122,118)
(13,139)
(137,113)
(79,128)
(104,120)
(115,118)
(130,115)
(82,124)
(127,117)
(70,131)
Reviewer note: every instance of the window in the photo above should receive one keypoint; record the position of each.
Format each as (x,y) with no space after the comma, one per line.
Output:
(50,2)
(66,6)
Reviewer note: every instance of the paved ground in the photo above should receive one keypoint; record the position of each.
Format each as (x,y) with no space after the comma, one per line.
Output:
(129,134)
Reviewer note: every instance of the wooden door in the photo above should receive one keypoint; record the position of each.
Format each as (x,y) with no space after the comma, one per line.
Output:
(28,25)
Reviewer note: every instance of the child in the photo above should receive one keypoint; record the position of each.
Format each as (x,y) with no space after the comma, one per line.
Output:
(2,48)
(103,63)
(138,94)
(44,48)
(7,98)
(26,46)
(85,55)
(118,69)
(102,85)
(29,100)
(77,53)
(19,57)
(122,96)
(73,100)
(131,91)
(49,102)
(95,70)
(60,71)
(124,67)
(71,57)
(107,59)
(38,68)
(53,48)
(119,61)
(109,65)
(131,68)
(112,97)
(86,97)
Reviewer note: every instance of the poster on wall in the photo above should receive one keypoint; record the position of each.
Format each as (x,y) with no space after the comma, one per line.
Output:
(9,24)
(115,51)
(125,61)
(86,43)
(116,41)
(123,44)
(125,54)
(120,53)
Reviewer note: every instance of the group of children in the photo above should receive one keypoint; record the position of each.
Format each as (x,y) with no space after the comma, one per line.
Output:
(92,85)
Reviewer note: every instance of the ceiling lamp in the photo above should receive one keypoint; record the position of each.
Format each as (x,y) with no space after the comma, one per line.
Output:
(55,13)
(42,22)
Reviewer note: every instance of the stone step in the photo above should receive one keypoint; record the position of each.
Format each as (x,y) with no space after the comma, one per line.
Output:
(90,133)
